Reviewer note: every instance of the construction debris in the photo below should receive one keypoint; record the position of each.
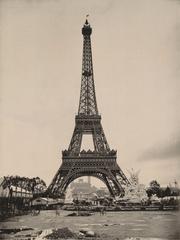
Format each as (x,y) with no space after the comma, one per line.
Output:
(13,230)
(80,214)
(64,233)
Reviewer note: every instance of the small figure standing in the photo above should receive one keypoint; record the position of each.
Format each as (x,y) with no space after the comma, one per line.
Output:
(102,210)
(57,211)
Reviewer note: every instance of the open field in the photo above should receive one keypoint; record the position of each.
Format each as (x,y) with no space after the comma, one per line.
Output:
(112,225)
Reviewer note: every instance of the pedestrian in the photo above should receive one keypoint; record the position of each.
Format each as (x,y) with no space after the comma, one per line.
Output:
(57,211)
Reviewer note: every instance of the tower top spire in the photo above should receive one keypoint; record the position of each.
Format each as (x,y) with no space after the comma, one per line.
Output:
(86,30)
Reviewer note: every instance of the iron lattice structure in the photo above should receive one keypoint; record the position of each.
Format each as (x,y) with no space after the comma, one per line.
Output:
(100,162)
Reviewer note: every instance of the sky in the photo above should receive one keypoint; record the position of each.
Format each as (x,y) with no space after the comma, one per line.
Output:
(136,57)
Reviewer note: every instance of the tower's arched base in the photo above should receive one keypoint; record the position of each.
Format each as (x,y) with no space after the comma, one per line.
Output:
(104,168)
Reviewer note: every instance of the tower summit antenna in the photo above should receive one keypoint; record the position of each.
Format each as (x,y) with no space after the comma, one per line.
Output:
(86,22)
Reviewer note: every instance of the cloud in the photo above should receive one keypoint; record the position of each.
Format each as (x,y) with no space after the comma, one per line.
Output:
(166,150)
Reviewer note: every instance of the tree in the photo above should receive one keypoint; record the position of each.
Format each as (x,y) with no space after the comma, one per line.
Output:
(167,192)
(154,188)
(35,185)
(154,184)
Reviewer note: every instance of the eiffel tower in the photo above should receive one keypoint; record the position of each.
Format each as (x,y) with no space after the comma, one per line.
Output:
(100,162)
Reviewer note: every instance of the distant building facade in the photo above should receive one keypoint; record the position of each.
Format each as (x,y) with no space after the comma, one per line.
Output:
(82,189)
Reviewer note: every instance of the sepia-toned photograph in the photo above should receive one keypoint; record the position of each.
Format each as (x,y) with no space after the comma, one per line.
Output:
(90,119)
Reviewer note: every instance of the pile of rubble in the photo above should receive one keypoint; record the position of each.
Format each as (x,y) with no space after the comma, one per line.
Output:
(87,233)
(66,233)
(80,214)
(59,233)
